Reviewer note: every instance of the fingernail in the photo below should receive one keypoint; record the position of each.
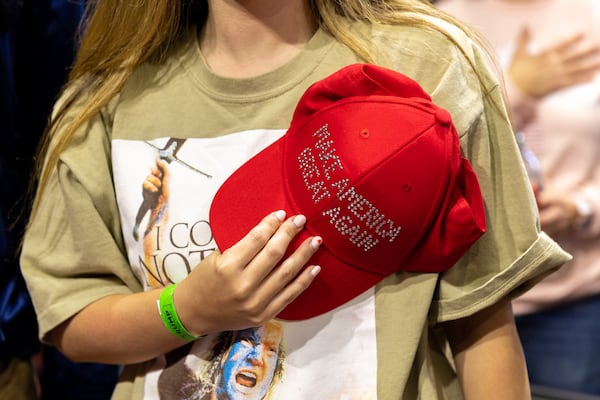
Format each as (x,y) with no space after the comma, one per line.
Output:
(280,215)
(299,220)
(315,271)
(316,242)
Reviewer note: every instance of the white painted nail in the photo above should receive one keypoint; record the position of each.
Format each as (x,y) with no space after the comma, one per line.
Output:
(280,215)
(299,220)
(315,271)
(316,242)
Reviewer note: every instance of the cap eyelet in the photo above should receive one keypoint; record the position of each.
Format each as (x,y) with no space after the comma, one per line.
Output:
(364,133)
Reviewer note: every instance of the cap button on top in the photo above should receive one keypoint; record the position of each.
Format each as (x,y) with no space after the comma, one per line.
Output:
(443,117)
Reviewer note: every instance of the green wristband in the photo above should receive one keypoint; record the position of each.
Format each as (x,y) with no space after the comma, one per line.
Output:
(166,308)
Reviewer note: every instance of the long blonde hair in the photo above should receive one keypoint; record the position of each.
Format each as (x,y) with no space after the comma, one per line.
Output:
(118,36)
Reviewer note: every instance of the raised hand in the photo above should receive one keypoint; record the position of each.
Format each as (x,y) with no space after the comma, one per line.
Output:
(567,63)
(155,194)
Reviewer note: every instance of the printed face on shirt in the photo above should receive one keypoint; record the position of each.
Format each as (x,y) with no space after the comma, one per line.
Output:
(249,366)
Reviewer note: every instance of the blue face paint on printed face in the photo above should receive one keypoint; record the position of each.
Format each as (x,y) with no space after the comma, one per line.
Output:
(248,368)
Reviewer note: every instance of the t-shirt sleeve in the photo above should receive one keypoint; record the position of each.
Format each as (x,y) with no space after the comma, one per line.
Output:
(73,250)
(513,254)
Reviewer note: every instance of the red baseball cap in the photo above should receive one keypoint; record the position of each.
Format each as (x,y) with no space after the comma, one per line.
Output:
(376,168)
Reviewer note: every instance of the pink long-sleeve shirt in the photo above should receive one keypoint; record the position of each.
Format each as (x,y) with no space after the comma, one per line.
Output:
(563,129)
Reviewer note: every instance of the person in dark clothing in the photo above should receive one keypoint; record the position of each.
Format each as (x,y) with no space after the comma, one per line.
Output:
(37,44)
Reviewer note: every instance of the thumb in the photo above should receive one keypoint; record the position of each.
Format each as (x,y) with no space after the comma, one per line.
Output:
(523,40)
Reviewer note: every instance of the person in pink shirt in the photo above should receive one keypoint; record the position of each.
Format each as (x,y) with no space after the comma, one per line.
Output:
(549,52)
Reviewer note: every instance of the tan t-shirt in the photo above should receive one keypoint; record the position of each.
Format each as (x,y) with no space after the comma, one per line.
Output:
(87,240)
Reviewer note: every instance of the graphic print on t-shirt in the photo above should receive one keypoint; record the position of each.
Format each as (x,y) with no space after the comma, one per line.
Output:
(164,190)
(244,364)
(152,195)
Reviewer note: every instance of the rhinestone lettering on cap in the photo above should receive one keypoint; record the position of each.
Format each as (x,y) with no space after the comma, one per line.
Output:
(356,217)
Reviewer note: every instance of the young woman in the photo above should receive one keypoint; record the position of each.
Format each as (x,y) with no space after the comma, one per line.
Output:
(165,101)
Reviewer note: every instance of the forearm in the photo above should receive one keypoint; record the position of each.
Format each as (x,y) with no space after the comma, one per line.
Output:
(245,286)
(118,329)
(488,355)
